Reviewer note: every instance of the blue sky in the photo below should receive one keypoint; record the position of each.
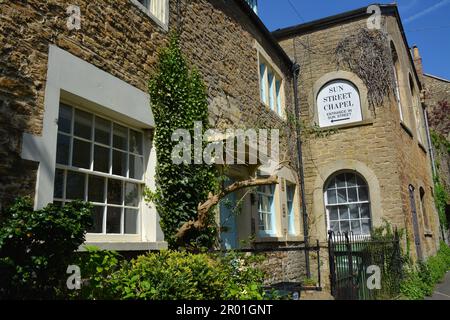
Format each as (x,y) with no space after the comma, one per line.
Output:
(426,22)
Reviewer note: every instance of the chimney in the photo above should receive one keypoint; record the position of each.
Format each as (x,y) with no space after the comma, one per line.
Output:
(417,60)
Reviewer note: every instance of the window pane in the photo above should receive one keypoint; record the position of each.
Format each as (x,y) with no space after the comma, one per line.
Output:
(352,195)
(356,227)
(75,185)
(345,226)
(332,196)
(342,195)
(81,155)
(114,191)
(360,181)
(96,189)
(343,212)
(278,91)
(334,213)
(131,221)
(136,167)
(340,181)
(262,76)
(365,226)
(354,211)
(113,220)
(83,124)
(334,226)
(271,91)
(120,137)
(332,183)
(365,211)
(102,131)
(63,150)
(135,142)
(119,163)
(131,194)
(363,194)
(101,159)
(97,217)
(351,180)
(65,119)
(59,184)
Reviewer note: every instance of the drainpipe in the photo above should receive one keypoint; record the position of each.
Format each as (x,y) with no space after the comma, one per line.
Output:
(295,71)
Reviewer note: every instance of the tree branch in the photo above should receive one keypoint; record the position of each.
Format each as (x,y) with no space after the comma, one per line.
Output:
(213,200)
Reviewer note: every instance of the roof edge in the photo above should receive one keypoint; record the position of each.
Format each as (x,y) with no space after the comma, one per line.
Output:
(436,77)
(242,4)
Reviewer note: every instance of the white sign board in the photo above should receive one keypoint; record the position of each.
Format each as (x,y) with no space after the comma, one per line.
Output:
(338,103)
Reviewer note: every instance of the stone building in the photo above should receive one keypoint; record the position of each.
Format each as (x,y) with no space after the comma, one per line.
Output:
(76,120)
(363,164)
(437,102)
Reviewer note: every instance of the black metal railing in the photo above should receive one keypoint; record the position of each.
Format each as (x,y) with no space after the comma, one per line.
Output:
(362,268)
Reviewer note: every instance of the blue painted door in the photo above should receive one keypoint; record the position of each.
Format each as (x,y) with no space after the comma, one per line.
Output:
(228,234)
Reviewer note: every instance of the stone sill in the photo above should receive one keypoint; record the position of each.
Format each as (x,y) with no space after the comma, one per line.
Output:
(366,122)
(407,130)
(126,246)
(421,146)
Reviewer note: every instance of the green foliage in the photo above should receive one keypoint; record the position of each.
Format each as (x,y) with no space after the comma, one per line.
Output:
(96,268)
(441,199)
(421,279)
(36,247)
(174,275)
(178,100)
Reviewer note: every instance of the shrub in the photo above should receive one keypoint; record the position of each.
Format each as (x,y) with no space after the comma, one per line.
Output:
(96,267)
(36,246)
(420,280)
(173,275)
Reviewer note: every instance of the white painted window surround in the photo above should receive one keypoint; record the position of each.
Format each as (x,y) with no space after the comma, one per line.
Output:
(158,10)
(73,80)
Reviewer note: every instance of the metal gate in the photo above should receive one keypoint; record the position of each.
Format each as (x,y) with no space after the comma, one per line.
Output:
(350,258)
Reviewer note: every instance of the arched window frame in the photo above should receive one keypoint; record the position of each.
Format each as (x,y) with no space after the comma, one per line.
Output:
(358,184)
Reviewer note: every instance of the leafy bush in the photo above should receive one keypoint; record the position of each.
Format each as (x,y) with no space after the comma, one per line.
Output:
(179,99)
(421,279)
(36,247)
(96,267)
(172,275)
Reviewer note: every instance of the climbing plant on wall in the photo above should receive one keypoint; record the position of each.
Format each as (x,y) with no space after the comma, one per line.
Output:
(179,99)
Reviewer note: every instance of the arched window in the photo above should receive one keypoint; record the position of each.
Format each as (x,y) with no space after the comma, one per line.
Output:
(348,204)
(423,209)
(396,65)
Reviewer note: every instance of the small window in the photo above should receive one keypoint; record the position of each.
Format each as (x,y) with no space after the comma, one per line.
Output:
(155,8)
(347,204)
(396,70)
(266,210)
(290,195)
(100,161)
(271,87)
(424,210)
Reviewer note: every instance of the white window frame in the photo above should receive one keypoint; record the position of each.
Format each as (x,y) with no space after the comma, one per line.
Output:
(74,80)
(110,175)
(279,100)
(162,19)
(328,205)
(272,213)
(291,214)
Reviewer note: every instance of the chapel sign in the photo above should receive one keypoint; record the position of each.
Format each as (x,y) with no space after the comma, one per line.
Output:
(338,103)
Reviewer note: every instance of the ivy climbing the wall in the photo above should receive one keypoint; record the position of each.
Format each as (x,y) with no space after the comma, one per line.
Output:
(179,99)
